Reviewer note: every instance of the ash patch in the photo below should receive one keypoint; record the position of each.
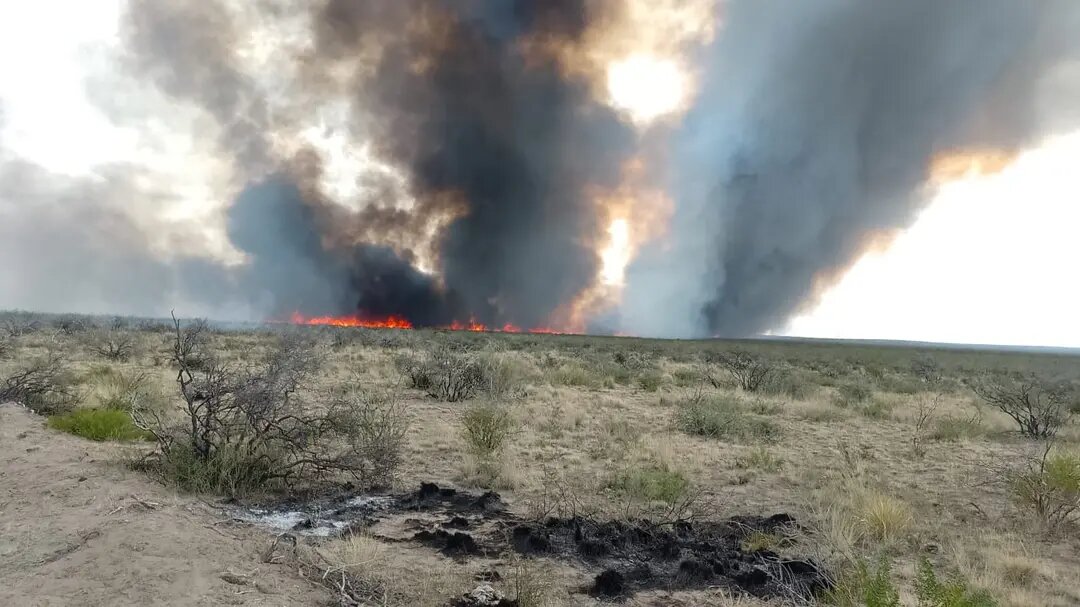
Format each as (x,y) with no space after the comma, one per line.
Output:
(641,555)
(625,556)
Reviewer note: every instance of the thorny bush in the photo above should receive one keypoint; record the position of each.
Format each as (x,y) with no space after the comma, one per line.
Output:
(249,428)
(1040,407)
(112,344)
(44,385)
(749,371)
(445,374)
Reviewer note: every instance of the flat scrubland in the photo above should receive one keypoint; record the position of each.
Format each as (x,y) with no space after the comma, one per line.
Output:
(906,479)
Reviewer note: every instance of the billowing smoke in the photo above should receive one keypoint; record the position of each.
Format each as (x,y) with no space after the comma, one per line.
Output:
(494,138)
(471,142)
(814,132)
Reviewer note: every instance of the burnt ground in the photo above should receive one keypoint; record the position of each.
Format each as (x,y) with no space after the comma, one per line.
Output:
(627,556)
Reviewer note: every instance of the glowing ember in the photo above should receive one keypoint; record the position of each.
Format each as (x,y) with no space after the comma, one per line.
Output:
(397,322)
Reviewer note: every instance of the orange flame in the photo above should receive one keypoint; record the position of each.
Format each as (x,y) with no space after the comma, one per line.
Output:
(397,322)
(355,320)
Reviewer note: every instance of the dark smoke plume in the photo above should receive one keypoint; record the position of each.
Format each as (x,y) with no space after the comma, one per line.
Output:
(816,129)
(504,143)
(813,131)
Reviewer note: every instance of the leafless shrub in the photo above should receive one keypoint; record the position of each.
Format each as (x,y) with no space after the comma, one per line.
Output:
(69,324)
(444,373)
(19,325)
(112,344)
(5,347)
(44,386)
(751,372)
(925,413)
(247,428)
(1039,407)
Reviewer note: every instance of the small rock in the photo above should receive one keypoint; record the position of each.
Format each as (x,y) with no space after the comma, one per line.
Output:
(484,596)
(82,479)
(234,579)
(32,449)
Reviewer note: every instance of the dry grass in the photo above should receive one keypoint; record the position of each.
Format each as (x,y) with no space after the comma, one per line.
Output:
(589,433)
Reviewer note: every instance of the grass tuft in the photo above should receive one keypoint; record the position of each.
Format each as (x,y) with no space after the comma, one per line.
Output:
(653,483)
(722,417)
(99,425)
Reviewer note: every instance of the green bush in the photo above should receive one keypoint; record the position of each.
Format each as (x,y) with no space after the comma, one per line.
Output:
(228,471)
(574,375)
(951,428)
(877,408)
(789,383)
(1049,487)
(99,425)
(760,458)
(655,483)
(687,376)
(853,393)
(863,586)
(722,417)
(486,427)
(954,593)
(650,381)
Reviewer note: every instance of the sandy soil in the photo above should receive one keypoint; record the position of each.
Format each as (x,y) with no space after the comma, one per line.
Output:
(76,528)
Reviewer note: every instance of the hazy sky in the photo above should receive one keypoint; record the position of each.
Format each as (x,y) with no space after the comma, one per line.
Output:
(993,259)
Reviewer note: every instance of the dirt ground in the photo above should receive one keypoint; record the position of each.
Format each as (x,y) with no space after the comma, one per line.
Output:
(79,529)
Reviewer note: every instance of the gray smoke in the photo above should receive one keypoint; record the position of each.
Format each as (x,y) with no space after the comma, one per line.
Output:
(815,129)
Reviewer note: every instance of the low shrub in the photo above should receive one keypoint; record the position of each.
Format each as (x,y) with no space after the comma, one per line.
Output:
(650,381)
(503,375)
(722,417)
(1039,407)
(486,428)
(229,470)
(854,393)
(749,371)
(574,375)
(687,376)
(1049,487)
(876,408)
(99,425)
(863,586)
(445,374)
(43,385)
(653,483)
(789,383)
(112,344)
(254,428)
(950,428)
(932,592)
(760,458)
